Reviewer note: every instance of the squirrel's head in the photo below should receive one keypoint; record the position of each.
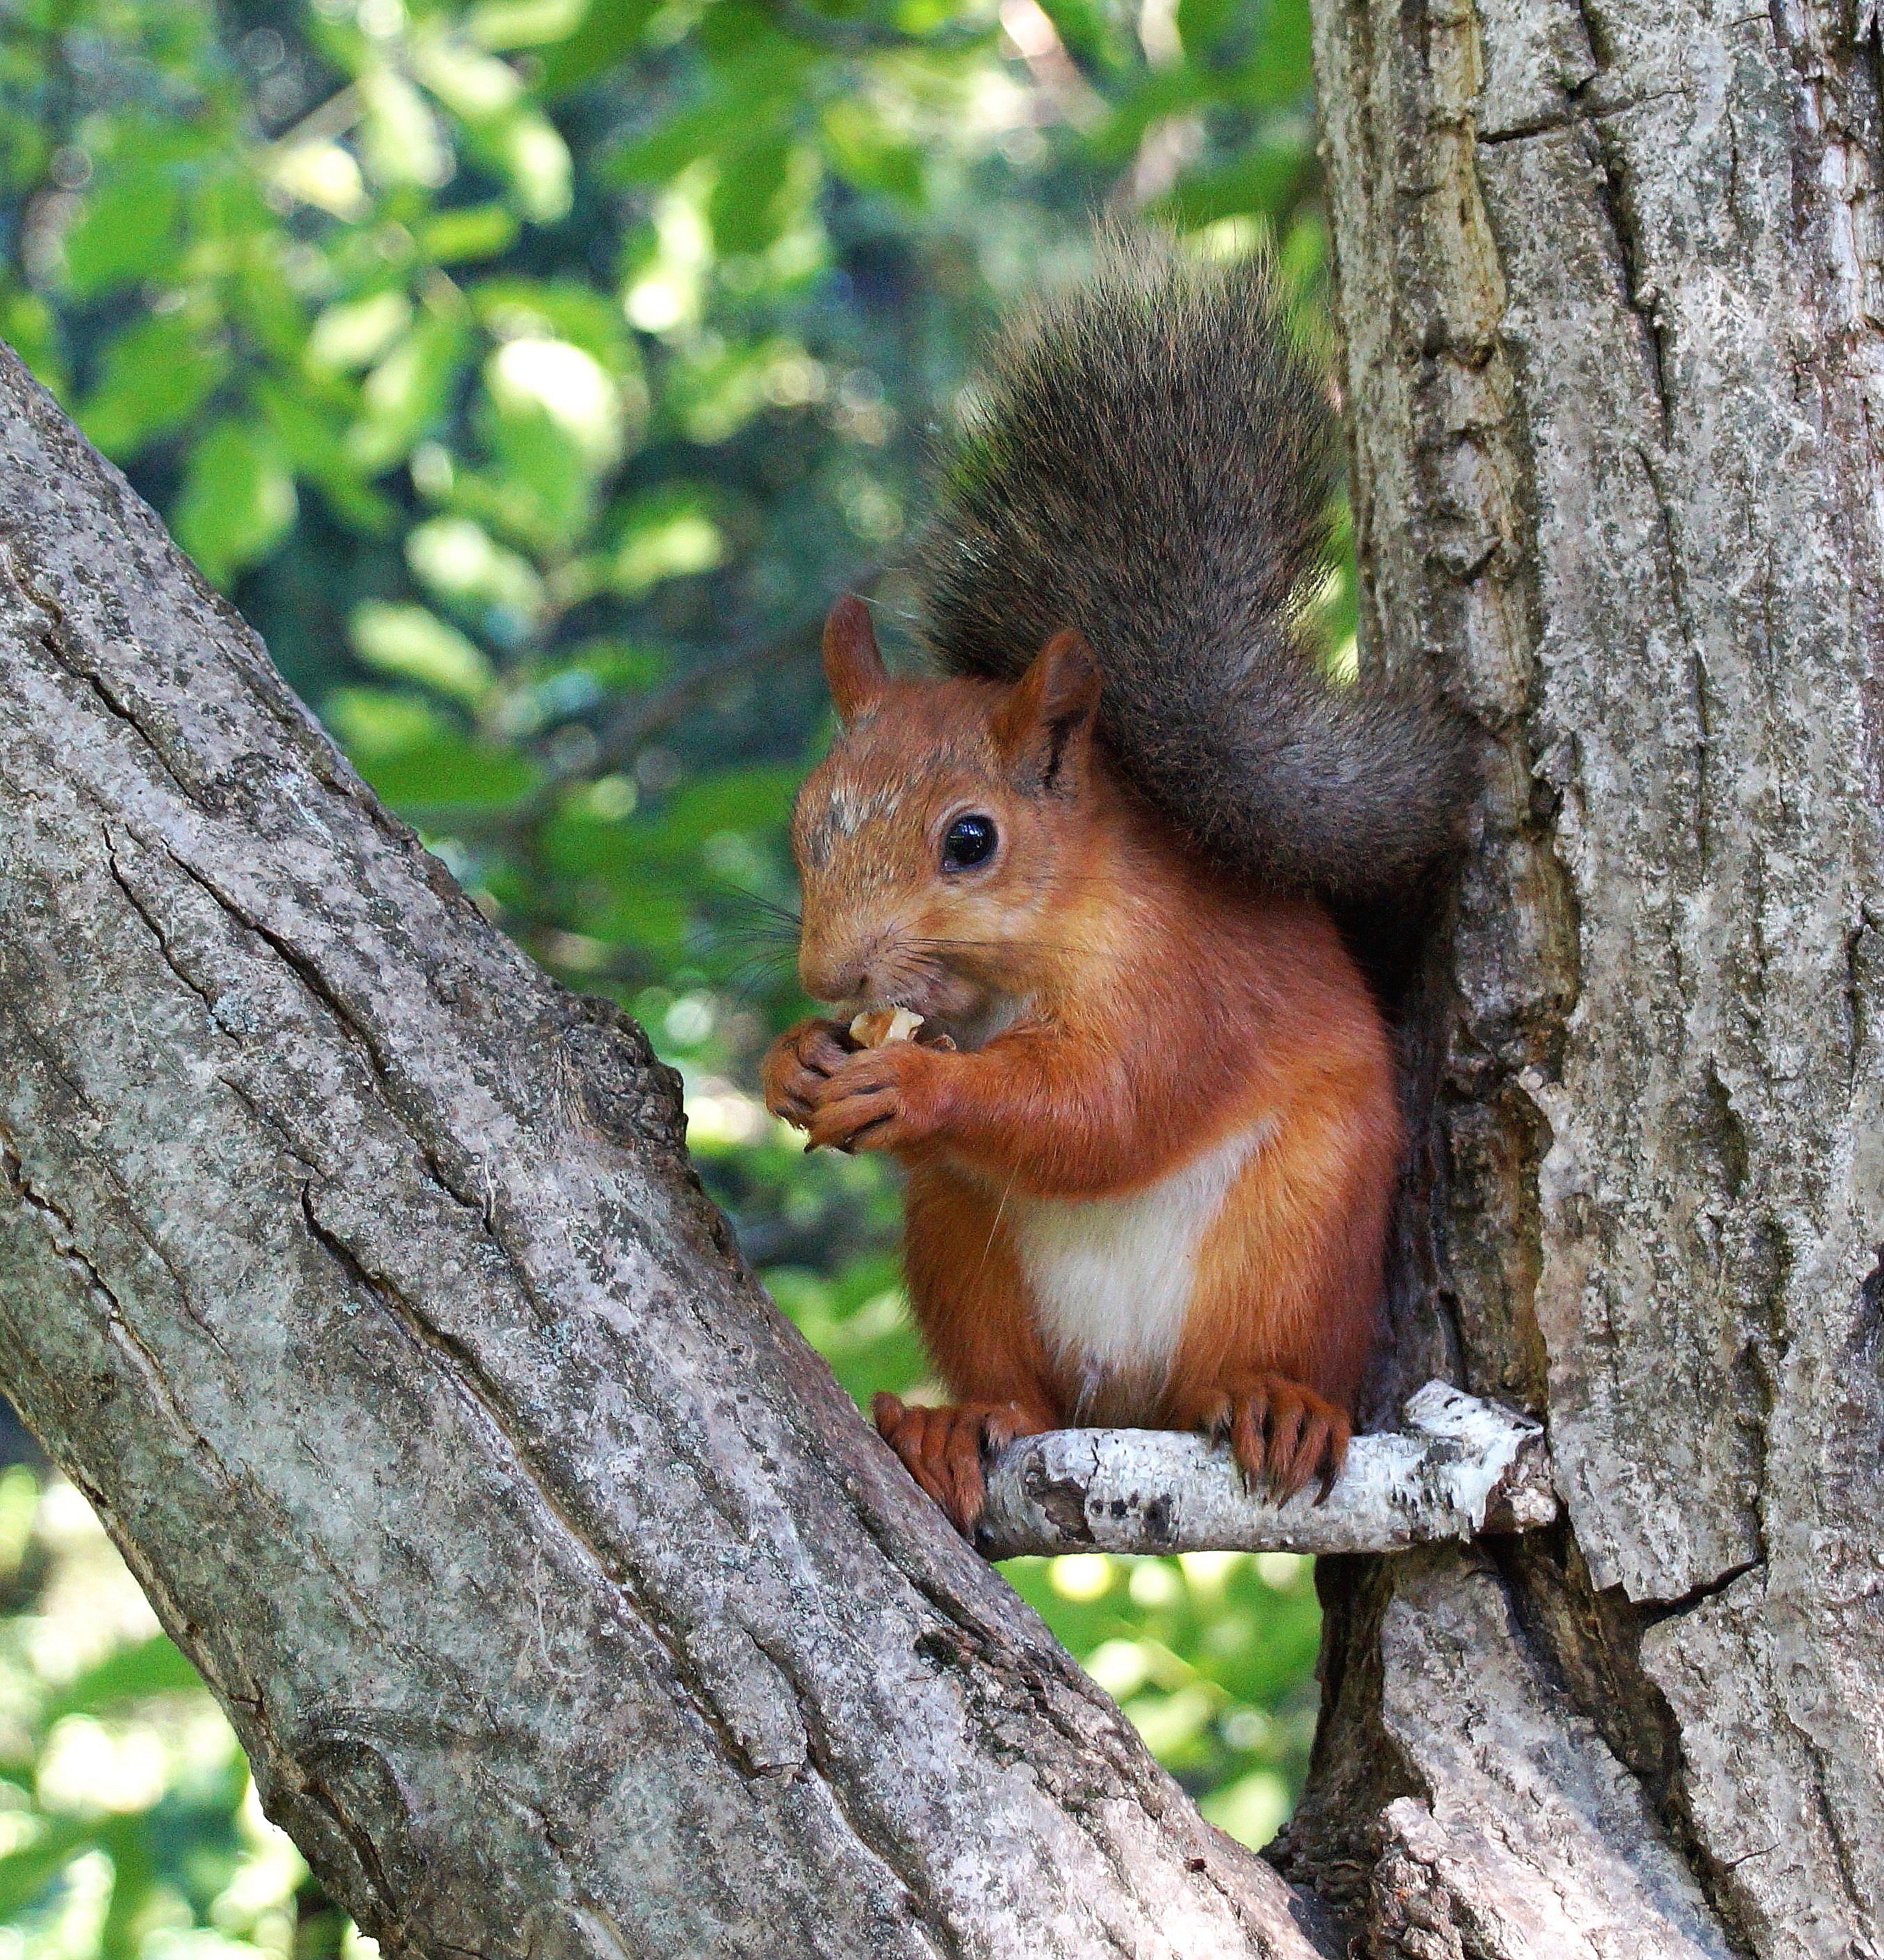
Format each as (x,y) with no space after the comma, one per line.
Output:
(937,842)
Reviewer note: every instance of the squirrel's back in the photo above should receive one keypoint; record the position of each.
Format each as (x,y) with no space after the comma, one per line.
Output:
(1152,465)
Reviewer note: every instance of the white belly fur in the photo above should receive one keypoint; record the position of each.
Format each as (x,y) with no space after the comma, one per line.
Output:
(1111,1277)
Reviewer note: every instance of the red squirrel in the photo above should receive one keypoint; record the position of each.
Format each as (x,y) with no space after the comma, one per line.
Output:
(1150,1122)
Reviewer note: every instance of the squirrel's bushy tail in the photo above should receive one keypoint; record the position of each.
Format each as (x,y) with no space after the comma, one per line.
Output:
(1152,464)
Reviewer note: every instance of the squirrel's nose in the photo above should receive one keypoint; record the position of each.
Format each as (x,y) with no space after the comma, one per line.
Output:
(830,977)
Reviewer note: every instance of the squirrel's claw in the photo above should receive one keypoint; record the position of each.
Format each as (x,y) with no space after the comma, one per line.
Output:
(1280,1433)
(877,1101)
(946,1450)
(797,1065)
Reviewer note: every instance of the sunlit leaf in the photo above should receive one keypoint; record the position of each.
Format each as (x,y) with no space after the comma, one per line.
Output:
(407,640)
(475,231)
(468,82)
(462,564)
(399,134)
(355,333)
(523,24)
(323,175)
(664,536)
(532,154)
(406,392)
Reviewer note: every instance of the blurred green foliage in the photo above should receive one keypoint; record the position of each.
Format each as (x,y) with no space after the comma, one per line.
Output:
(532,373)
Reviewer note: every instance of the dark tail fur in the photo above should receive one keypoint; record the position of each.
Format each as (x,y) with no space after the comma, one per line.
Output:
(1153,465)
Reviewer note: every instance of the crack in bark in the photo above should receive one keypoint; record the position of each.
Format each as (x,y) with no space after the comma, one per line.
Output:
(480,1395)
(309,972)
(1576,114)
(67,653)
(912,1880)
(63,1235)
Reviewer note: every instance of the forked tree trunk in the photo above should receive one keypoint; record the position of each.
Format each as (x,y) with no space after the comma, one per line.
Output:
(1609,281)
(565,1607)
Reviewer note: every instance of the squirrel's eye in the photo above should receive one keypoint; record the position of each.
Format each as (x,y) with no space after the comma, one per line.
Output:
(971,840)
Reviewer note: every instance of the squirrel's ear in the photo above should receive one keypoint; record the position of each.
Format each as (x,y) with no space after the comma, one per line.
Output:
(853,668)
(1046,722)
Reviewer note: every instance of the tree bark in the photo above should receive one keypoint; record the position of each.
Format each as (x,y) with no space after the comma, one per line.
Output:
(356,1273)
(1609,287)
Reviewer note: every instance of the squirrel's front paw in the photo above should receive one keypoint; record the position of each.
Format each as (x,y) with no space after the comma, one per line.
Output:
(798,1064)
(885,1099)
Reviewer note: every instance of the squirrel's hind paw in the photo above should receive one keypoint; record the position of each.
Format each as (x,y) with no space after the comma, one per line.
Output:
(1280,1433)
(946,1450)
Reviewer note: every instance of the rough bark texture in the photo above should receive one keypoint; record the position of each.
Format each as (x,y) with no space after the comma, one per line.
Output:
(1609,284)
(1460,1468)
(563,1605)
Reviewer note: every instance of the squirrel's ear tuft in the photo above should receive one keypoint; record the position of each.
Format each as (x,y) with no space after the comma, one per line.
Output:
(853,668)
(1046,722)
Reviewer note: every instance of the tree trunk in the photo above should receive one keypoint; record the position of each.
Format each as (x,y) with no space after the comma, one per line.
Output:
(1609,281)
(355,1272)
(566,1608)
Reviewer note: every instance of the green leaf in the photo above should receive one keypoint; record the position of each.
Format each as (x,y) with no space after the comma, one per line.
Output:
(1259,183)
(666,534)
(558,310)
(154,376)
(1167,91)
(127,229)
(1083,27)
(666,150)
(1200,23)
(869,155)
(755,798)
(238,498)
(473,231)
(607,31)
(133,1880)
(409,641)
(154,1666)
(416,759)
(450,771)
(1279,68)
(314,443)
(25,1874)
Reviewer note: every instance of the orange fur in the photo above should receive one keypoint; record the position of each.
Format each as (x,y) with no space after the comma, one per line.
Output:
(1121,1011)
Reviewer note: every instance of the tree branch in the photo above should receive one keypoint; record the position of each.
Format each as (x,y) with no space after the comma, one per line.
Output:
(1462,1466)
